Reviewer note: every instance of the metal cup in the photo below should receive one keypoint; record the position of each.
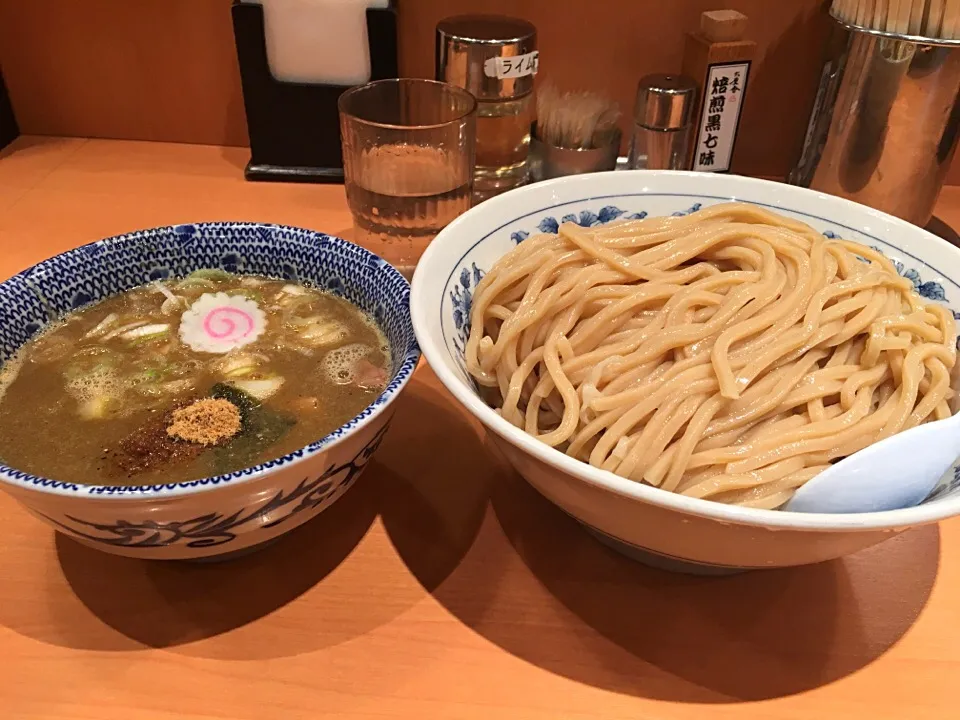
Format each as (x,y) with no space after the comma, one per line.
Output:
(549,161)
(885,123)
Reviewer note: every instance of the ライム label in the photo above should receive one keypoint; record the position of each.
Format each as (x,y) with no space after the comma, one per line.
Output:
(722,102)
(512,67)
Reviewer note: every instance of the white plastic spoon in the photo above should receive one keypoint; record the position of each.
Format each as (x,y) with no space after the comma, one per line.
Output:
(898,472)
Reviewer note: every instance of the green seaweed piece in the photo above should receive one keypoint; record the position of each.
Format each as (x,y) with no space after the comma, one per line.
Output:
(245,403)
(260,427)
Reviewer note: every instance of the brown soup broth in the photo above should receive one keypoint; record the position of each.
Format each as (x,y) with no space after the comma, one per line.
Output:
(92,398)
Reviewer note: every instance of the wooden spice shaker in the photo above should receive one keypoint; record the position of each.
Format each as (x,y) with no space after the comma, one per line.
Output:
(718,58)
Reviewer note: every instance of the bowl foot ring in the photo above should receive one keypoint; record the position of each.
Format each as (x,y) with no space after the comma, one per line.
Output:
(661,562)
(234,554)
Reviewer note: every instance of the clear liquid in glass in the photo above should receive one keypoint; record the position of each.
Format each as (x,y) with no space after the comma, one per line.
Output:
(401,196)
(503,143)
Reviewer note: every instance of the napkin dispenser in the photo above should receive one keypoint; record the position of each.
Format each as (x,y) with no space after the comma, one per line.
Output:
(9,130)
(293,123)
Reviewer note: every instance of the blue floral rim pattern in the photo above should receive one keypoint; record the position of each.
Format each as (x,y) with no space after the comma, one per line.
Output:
(50,289)
(470,276)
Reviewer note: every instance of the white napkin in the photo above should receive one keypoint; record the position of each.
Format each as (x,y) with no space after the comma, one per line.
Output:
(318,41)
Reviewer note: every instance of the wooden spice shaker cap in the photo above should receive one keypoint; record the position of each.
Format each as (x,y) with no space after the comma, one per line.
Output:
(719,26)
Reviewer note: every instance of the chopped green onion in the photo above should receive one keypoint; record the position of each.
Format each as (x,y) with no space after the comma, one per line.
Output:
(239,372)
(260,389)
(191,283)
(146,332)
(103,326)
(123,328)
(239,364)
(320,333)
(215,274)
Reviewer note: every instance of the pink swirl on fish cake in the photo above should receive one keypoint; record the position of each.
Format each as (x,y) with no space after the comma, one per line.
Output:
(218,323)
(228,323)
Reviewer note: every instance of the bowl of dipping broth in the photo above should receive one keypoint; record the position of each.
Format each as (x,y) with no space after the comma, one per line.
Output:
(194,391)
(668,356)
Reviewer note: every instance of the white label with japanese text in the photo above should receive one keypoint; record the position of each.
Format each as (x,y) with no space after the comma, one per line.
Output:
(722,100)
(516,66)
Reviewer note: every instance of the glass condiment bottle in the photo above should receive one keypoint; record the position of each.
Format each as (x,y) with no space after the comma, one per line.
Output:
(495,58)
(663,123)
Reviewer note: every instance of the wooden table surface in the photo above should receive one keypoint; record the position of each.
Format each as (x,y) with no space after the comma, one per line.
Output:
(441,586)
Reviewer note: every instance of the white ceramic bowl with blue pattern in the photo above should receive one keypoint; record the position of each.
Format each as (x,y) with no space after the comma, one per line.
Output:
(228,513)
(645,522)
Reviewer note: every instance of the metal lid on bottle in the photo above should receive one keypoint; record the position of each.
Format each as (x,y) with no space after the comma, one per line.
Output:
(492,56)
(665,102)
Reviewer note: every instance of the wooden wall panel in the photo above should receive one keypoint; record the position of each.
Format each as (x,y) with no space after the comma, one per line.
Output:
(610,44)
(135,69)
(166,69)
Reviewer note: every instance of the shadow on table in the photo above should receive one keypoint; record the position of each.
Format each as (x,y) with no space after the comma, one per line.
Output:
(436,493)
(941,228)
(430,509)
(166,604)
(579,610)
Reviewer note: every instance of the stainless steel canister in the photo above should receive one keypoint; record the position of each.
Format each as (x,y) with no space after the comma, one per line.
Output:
(663,122)
(885,121)
(496,59)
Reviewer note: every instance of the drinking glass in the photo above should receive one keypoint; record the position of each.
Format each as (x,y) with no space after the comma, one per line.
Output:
(408,160)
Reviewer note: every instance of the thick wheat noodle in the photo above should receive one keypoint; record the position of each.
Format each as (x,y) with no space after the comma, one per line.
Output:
(730,354)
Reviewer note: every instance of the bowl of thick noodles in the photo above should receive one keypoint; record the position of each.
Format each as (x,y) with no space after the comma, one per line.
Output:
(669,356)
(198,390)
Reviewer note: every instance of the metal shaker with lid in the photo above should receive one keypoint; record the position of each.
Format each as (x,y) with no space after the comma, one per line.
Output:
(496,59)
(663,123)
